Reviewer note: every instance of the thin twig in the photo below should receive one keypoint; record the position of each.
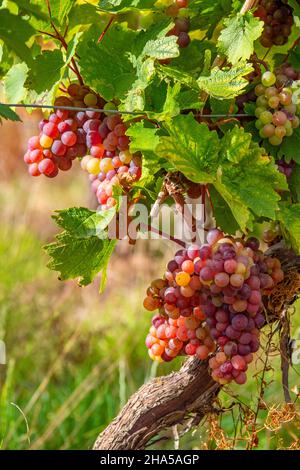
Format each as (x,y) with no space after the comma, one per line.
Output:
(261,389)
(105,29)
(284,352)
(164,235)
(176,436)
(261,62)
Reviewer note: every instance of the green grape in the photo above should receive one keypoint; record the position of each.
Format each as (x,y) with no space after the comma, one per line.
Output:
(271,91)
(288,124)
(268,130)
(262,101)
(259,90)
(268,79)
(274,102)
(266,117)
(274,140)
(289,132)
(90,99)
(258,111)
(110,106)
(258,124)
(280,132)
(295,122)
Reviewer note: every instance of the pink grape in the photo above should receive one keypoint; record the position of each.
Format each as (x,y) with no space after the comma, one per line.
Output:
(47,166)
(69,138)
(58,148)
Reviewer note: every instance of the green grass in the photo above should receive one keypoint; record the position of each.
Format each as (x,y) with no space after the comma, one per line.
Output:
(75,357)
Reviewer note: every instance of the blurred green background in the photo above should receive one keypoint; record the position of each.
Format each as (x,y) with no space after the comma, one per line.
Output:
(74,357)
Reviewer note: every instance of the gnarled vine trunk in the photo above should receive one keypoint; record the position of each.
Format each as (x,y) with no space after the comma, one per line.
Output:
(159,404)
(166,401)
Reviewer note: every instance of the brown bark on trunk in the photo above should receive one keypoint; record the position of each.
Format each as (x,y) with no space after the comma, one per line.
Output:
(159,404)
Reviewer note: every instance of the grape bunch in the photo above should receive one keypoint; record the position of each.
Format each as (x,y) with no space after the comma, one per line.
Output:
(181,28)
(62,136)
(278,20)
(182,24)
(213,294)
(285,74)
(98,138)
(275,110)
(169,338)
(110,162)
(286,167)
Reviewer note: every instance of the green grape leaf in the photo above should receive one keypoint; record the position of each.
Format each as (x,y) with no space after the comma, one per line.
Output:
(145,38)
(189,99)
(249,187)
(186,60)
(45,71)
(294,183)
(83,249)
(290,146)
(294,57)
(60,9)
(208,14)
(82,222)
(122,6)
(15,32)
(296,6)
(225,83)
(83,14)
(236,40)
(222,212)
(135,100)
(7,113)
(230,194)
(235,145)
(222,107)
(289,217)
(110,78)
(162,48)
(145,51)
(71,49)
(14,83)
(143,137)
(171,106)
(81,258)
(191,147)
(33,10)
(179,76)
